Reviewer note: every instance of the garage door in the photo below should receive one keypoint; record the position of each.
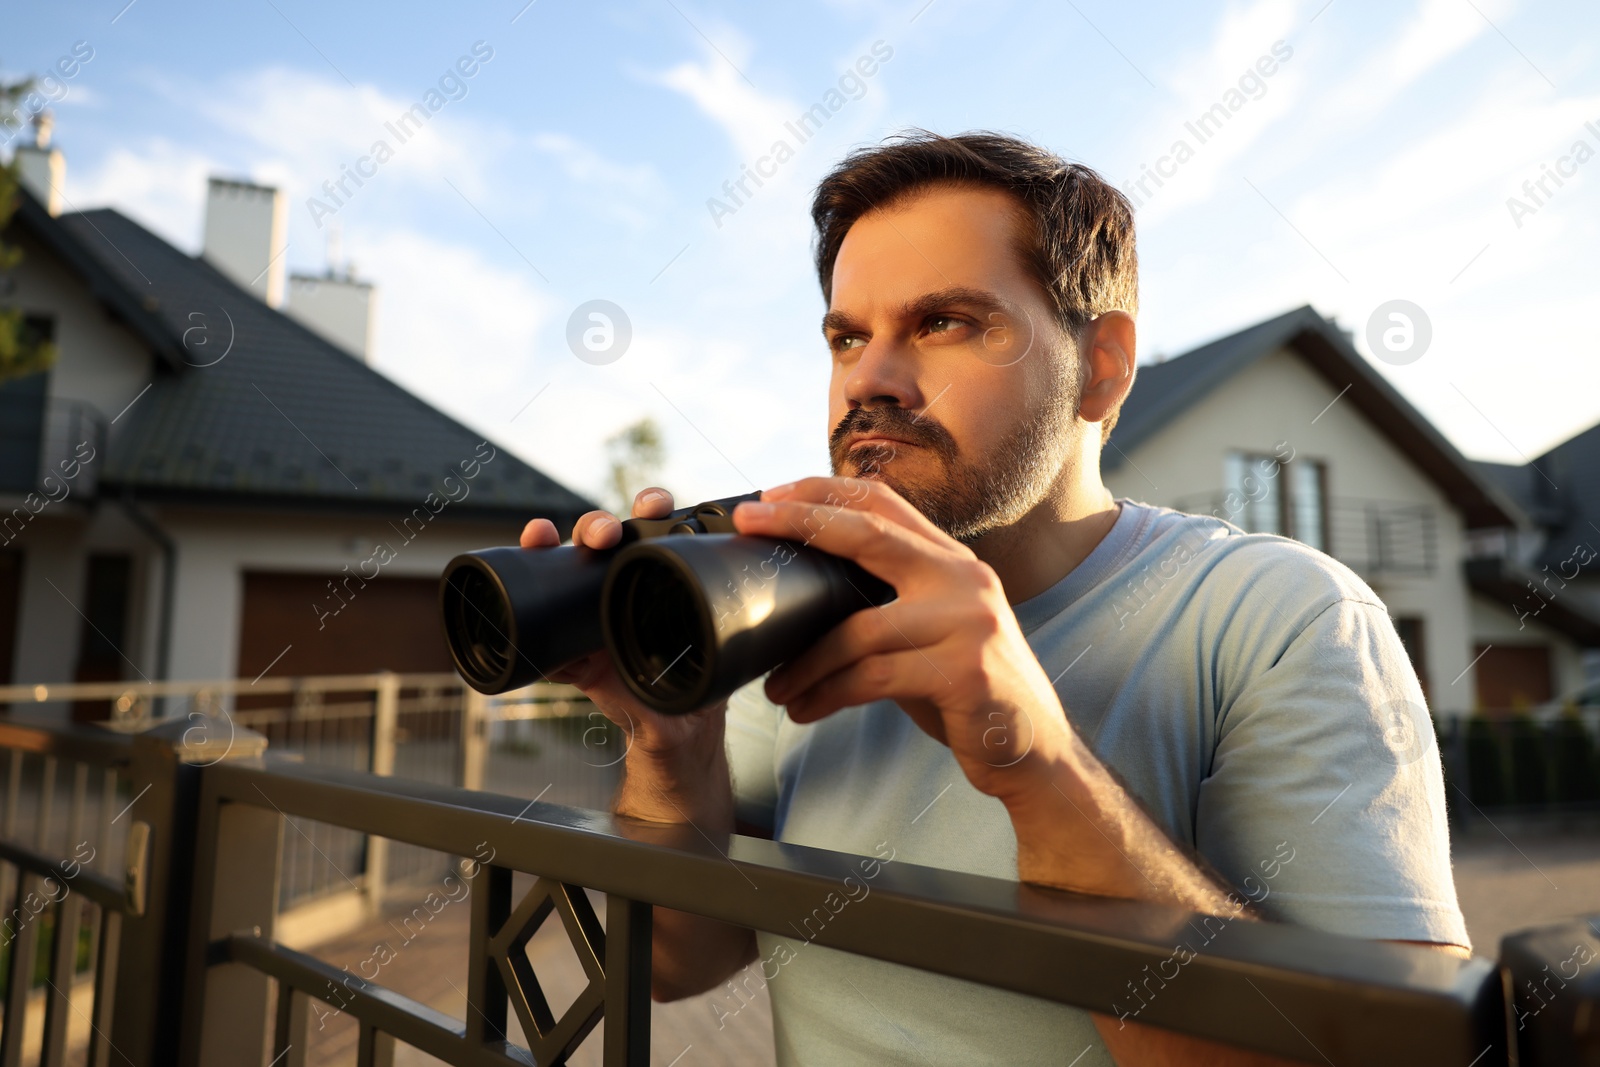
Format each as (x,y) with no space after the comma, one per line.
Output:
(1513,676)
(290,625)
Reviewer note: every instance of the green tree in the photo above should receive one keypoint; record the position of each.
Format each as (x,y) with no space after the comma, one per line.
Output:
(636,454)
(23,350)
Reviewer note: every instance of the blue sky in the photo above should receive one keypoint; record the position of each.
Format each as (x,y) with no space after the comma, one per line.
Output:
(1374,163)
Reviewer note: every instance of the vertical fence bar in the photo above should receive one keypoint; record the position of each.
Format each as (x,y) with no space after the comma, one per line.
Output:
(627,970)
(474,737)
(105,985)
(8,877)
(63,966)
(376,1048)
(486,990)
(385,723)
(19,974)
(47,804)
(292,1030)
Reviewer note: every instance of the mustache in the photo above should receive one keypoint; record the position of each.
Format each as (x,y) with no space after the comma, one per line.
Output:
(895,422)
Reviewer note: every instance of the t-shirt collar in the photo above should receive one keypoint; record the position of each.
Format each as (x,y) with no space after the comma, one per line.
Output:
(1105,559)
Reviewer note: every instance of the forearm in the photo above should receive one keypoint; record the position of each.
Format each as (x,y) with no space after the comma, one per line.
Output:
(690,953)
(1083,832)
(1078,829)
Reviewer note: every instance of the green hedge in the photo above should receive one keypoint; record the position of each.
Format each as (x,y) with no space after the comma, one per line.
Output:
(1518,762)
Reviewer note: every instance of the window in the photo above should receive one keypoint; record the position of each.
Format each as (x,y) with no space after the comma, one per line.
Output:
(1410,629)
(1308,499)
(1266,495)
(1254,502)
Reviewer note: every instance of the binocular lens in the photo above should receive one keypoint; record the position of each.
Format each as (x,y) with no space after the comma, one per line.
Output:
(478,623)
(663,647)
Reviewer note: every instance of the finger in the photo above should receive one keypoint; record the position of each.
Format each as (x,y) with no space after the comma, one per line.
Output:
(867,632)
(863,494)
(597,529)
(652,503)
(540,533)
(884,675)
(898,555)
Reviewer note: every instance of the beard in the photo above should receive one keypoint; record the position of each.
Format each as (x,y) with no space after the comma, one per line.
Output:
(974,495)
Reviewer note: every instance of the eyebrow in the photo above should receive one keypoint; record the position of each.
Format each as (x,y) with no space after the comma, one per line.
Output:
(956,296)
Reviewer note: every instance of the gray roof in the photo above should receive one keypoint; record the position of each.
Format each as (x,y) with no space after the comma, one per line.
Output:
(1163,391)
(284,417)
(1561,490)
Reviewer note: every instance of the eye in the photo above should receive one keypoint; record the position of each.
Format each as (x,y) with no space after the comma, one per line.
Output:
(942,323)
(847,341)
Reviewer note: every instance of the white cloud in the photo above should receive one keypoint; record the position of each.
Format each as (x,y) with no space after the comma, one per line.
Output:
(159,184)
(751,119)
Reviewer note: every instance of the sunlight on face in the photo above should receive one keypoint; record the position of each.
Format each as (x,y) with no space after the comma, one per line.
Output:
(952,381)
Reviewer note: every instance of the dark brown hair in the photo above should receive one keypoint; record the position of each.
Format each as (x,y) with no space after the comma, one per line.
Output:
(1079,245)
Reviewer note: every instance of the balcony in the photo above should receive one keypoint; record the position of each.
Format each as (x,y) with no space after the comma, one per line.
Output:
(1372,537)
(42,437)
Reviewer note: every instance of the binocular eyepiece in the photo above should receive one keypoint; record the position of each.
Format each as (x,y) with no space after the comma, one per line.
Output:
(687,609)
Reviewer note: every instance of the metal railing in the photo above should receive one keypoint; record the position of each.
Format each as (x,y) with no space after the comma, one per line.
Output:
(204,979)
(546,741)
(61,883)
(49,445)
(1371,537)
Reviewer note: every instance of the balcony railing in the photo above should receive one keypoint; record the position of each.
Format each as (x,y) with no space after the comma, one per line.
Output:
(187,966)
(49,445)
(1371,537)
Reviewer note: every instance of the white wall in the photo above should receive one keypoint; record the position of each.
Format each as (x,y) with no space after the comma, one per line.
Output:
(216,548)
(1281,399)
(56,545)
(1495,623)
(100,361)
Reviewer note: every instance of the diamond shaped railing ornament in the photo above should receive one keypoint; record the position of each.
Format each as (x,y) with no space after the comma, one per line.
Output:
(550,1039)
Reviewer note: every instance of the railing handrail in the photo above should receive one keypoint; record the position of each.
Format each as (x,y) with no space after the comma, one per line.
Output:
(58,691)
(1363,1001)
(1334,501)
(67,741)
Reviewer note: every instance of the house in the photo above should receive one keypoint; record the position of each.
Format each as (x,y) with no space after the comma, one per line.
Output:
(209,484)
(1285,428)
(1551,573)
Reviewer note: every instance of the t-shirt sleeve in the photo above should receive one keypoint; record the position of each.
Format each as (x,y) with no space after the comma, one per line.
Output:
(752,739)
(1325,799)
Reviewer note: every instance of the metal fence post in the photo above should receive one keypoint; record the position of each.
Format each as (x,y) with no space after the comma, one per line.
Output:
(627,970)
(238,859)
(385,726)
(474,736)
(1551,978)
(147,1018)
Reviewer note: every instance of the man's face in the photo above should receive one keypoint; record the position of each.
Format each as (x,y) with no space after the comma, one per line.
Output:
(952,381)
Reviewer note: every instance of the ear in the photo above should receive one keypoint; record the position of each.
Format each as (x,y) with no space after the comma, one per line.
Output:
(1108,345)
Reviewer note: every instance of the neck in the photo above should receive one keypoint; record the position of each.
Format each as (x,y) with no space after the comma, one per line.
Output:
(1042,547)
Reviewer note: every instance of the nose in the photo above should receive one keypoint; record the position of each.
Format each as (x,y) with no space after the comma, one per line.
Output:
(884,375)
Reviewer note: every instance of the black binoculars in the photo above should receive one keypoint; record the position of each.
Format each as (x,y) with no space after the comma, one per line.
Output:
(688,609)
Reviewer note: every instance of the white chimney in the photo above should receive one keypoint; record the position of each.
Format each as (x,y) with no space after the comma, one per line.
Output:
(246,235)
(340,309)
(40,168)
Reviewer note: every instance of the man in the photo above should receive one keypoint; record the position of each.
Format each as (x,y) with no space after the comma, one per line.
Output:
(1069,690)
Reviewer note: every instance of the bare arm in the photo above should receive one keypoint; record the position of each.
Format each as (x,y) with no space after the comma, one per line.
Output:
(689,785)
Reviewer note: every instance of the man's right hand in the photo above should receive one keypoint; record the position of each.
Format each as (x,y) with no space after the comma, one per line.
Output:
(677,770)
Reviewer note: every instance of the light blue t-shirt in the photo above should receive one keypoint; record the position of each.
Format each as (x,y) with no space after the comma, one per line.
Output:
(1251,693)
